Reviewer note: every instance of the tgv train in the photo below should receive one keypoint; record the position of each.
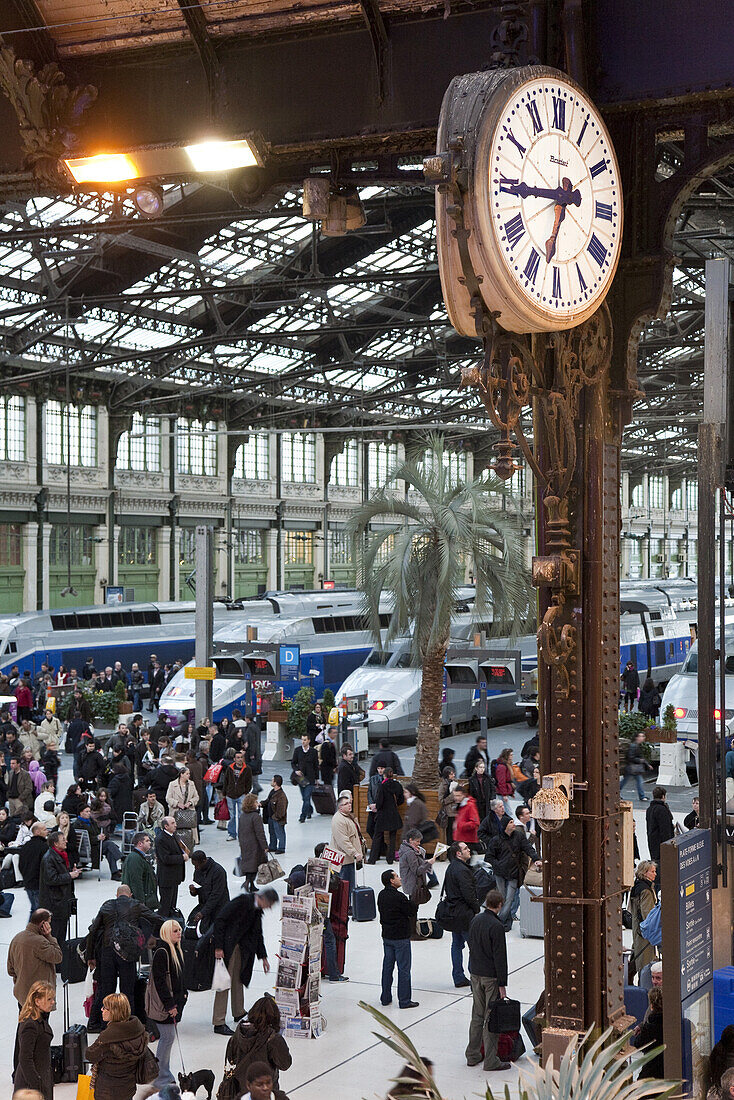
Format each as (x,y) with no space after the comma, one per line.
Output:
(682,691)
(327,626)
(655,634)
(125,632)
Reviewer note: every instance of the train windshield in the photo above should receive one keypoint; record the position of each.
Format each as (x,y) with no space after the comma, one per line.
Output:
(378,657)
(691,662)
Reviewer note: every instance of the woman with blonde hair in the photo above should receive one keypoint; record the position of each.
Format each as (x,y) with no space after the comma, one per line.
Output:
(253,845)
(116,1053)
(166,995)
(33,1041)
(182,797)
(643,898)
(72,840)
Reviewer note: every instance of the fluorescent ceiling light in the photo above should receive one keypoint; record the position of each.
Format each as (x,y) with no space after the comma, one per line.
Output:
(221,156)
(104,168)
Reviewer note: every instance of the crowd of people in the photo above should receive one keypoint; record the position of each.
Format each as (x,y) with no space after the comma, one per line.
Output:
(142,804)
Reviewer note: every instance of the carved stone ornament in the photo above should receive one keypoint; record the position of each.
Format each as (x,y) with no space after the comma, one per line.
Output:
(48,112)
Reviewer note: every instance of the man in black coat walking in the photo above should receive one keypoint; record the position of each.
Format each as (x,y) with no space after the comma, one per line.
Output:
(385,757)
(171,866)
(488,969)
(347,776)
(211,890)
(510,854)
(305,764)
(477,752)
(494,823)
(660,826)
(160,779)
(238,939)
(56,885)
(117,960)
(397,918)
(29,861)
(253,751)
(460,905)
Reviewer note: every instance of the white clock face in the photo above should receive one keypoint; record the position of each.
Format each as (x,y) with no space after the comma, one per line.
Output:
(555,198)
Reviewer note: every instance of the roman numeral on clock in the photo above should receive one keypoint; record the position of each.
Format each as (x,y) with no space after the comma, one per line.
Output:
(598,168)
(514,230)
(535,117)
(556,283)
(582,284)
(580,138)
(603,210)
(559,114)
(520,148)
(596,249)
(507,184)
(531,267)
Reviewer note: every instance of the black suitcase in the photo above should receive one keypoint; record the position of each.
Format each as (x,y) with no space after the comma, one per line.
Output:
(73,1044)
(363,902)
(141,984)
(324,800)
(198,953)
(73,965)
(7,878)
(504,1015)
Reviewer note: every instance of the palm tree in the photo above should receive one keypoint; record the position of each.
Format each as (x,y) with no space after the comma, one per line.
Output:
(421,563)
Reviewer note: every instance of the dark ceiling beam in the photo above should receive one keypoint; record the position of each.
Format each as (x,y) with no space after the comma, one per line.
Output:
(197,27)
(380,42)
(23,27)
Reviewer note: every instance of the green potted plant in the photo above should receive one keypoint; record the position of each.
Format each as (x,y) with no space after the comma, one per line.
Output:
(120,693)
(105,705)
(299,711)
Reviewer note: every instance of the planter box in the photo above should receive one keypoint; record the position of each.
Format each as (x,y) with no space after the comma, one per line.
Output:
(126,708)
(277,716)
(432,808)
(659,736)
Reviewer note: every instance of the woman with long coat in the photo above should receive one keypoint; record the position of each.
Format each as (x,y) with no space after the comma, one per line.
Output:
(643,898)
(120,791)
(33,1042)
(117,1051)
(183,795)
(253,845)
(387,818)
(258,1039)
(482,788)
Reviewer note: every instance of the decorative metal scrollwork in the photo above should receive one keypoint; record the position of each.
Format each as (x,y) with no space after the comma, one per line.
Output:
(558,647)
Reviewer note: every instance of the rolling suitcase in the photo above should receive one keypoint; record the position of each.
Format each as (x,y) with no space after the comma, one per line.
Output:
(363,902)
(324,799)
(530,913)
(73,965)
(73,1044)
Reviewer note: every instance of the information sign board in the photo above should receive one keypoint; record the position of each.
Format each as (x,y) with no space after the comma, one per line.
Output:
(694,911)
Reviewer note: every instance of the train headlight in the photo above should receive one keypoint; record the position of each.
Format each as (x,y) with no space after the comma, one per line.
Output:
(681,712)
(380,704)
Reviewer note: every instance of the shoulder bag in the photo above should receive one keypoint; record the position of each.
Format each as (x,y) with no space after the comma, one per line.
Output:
(185,819)
(154,1007)
(269,871)
(147,1068)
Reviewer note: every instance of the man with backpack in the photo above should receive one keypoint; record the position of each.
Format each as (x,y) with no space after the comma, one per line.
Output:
(115,942)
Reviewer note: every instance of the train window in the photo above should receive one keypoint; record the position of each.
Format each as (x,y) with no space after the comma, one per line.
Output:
(105,619)
(377,659)
(403,661)
(729,666)
(84,622)
(12,647)
(658,632)
(691,664)
(655,615)
(384,620)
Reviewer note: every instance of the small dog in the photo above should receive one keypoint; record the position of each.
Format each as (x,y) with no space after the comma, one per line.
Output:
(192,1082)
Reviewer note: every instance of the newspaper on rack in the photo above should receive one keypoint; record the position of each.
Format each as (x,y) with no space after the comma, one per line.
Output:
(289,974)
(317,874)
(294,952)
(287,1001)
(297,1027)
(323,903)
(294,931)
(299,907)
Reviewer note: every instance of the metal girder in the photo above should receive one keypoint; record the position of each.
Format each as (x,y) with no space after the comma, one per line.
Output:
(197,27)
(22,26)
(380,42)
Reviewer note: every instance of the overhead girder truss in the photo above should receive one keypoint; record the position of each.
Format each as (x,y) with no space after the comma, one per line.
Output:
(260,319)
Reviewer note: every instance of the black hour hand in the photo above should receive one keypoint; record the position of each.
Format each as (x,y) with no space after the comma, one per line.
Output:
(563,195)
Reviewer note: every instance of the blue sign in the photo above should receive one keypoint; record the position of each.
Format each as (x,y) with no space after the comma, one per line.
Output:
(694,910)
(290,661)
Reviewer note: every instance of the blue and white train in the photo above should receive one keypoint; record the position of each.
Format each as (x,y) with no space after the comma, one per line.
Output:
(682,691)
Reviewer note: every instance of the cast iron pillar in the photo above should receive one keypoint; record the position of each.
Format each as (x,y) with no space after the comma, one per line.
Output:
(575,456)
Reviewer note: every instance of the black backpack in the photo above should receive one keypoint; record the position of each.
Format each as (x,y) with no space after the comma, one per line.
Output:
(127,941)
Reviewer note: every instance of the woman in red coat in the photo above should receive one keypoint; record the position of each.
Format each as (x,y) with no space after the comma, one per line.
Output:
(466,825)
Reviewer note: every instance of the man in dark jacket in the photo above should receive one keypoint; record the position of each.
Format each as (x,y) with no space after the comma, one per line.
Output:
(385,757)
(236,783)
(91,767)
(217,744)
(138,873)
(29,861)
(56,885)
(327,758)
(476,753)
(253,752)
(505,852)
(488,969)
(631,683)
(460,898)
(115,942)
(494,823)
(171,859)
(211,890)
(660,825)
(238,939)
(20,789)
(397,917)
(305,764)
(347,776)
(160,779)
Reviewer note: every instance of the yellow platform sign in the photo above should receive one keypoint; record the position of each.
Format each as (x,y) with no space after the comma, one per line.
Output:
(193,672)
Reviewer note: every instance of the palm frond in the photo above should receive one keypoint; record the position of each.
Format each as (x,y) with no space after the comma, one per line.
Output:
(397,1040)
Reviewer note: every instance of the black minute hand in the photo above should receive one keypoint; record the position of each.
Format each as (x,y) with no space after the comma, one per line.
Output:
(563,195)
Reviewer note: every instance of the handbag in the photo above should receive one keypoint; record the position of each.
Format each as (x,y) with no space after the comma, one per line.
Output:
(147,1068)
(420,894)
(504,1015)
(84,1089)
(265,807)
(269,871)
(442,819)
(185,819)
(221,980)
(212,773)
(428,930)
(626,919)
(229,1089)
(221,810)
(428,830)
(154,1007)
